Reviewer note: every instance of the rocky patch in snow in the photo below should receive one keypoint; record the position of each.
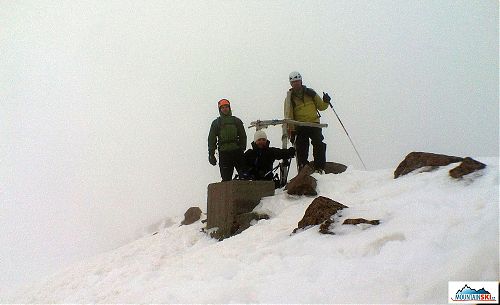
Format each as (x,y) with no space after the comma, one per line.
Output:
(192,215)
(467,166)
(416,160)
(244,221)
(430,161)
(357,221)
(334,168)
(303,183)
(320,211)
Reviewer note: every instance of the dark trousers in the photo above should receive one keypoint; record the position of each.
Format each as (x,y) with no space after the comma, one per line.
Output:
(228,161)
(304,133)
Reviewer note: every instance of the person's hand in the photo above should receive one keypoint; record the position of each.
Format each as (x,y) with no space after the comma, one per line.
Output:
(291,136)
(291,152)
(212,160)
(326,98)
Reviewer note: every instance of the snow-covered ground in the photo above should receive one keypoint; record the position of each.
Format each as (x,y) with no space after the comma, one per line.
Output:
(434,229)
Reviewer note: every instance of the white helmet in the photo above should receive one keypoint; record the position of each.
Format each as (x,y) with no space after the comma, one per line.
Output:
(294,76)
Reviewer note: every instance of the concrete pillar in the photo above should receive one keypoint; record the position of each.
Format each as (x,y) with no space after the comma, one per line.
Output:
(226,200)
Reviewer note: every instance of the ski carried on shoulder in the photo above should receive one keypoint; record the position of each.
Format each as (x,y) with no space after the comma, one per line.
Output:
(259,124)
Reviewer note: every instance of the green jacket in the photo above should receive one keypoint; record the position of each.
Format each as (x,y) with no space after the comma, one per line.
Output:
(303,106)
(227,134)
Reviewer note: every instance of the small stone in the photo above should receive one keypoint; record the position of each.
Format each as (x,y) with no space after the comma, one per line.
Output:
(357,221)
(192,215)
(303,183)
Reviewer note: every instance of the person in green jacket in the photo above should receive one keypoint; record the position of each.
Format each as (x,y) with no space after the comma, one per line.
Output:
(228,135)
(303,104)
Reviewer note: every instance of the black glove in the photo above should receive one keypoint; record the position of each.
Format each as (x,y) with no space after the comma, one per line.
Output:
(292,136)
(326,98)
(291,152)
(212,160)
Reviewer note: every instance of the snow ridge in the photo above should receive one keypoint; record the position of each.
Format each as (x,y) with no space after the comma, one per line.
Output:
(433,229)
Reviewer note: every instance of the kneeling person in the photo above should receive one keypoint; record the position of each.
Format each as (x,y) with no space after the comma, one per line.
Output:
(260,158)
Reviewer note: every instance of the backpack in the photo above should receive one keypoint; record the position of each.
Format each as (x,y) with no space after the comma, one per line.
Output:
(307,91)
(227,132)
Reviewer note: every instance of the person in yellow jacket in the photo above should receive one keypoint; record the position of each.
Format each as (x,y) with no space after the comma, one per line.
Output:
(303,104)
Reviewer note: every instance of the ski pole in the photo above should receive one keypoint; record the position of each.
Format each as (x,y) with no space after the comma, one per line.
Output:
(342,124)
(275,168)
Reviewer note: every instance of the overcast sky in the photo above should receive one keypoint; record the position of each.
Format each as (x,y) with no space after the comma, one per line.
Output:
(105,106)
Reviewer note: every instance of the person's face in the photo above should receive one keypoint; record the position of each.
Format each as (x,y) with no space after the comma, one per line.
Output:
(296,85)
(261,143)
(224,109)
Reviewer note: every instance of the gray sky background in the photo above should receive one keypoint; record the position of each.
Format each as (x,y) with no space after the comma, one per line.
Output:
(105,105)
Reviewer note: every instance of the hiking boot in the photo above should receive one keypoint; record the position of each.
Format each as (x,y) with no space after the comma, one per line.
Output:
(320,171)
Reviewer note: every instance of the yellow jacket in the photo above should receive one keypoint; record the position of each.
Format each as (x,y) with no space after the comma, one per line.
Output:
(304,107)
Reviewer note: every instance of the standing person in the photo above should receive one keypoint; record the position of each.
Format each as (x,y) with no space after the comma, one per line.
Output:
(260,158)
(227,134)
(303,104)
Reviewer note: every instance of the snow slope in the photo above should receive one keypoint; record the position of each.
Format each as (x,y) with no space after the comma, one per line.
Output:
(434,229)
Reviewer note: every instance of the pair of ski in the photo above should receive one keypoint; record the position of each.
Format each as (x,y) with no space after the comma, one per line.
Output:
(284,165)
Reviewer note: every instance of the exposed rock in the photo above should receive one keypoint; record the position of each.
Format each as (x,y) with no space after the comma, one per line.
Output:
(415,160)
(308,169)
(357,221)
(303,183)
(324,228)
(334,168)
(467,166)
(244,221)
(320,211)
(192,215)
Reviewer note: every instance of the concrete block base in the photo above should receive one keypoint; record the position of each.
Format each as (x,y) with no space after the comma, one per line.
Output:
(226,200)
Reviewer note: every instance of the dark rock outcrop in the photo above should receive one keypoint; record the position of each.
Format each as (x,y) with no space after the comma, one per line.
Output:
(303,183)
(357,221)
(320,211)
(244,221)
(415,160)
(467,166)
(192,215)
(334,168)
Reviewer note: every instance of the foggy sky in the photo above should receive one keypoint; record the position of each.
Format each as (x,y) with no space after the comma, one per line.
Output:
(105,106)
